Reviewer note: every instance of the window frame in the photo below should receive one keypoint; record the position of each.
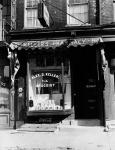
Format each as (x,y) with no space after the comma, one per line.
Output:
(69,17)
(25,16)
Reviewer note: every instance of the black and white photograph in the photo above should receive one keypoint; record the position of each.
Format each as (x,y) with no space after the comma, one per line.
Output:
(57,74)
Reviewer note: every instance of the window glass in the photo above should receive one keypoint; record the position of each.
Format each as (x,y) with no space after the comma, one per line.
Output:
(79,10)
(4,89)
(31,13)
(49,86)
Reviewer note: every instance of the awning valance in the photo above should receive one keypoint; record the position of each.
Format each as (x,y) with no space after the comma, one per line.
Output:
(54,43)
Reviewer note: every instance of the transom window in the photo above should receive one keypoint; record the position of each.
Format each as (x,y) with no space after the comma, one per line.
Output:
(31,14)
(79,10)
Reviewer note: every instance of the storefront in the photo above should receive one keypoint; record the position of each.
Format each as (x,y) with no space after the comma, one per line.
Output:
(4,87)
(61,79)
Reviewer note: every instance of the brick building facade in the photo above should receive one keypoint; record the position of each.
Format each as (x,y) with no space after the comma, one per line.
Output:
(59,36)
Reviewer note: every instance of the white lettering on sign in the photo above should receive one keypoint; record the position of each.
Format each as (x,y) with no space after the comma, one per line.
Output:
(83,42)
(38,44)
(45,74)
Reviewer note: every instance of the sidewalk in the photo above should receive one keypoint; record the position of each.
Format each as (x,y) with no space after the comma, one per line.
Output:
(66,138)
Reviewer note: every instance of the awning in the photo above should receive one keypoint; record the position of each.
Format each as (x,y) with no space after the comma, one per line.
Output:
(54,43)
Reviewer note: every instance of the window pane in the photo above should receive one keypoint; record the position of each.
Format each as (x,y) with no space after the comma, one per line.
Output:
(49,87)
(31,20)
(32,3)
(78,11)
(45,90)
(4,89)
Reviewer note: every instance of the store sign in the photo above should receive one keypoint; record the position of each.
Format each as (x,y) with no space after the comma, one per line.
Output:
(45,74)
(37,44)
(43,15)
(83,42)
(54,43)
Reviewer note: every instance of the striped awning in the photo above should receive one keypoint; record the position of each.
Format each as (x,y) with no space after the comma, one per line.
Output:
(39,44)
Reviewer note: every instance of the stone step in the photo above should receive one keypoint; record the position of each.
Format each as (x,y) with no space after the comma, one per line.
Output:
(110,124)
(55,126)
(31,127)
(82,122)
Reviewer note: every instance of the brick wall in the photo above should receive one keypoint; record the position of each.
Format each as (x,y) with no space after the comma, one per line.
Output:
(19,14)
(106,11)
(57,17)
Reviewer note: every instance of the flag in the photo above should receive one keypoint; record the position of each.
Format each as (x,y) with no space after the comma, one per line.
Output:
(15,69)
(104,61)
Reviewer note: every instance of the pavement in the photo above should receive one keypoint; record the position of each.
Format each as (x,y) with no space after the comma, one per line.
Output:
(63,138)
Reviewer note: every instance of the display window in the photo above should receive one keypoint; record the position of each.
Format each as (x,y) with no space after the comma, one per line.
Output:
(49,87)
(4,89)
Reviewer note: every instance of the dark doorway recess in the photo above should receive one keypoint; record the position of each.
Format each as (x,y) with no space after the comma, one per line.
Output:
(84,82)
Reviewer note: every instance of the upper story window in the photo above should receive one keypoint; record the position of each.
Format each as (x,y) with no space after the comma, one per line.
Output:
(79,10)
(31,14)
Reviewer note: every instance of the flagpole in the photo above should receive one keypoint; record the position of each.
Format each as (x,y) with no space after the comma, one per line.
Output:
(12,61)
(14,67)
(14,83)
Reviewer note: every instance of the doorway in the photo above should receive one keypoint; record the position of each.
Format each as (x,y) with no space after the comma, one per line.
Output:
(84,83)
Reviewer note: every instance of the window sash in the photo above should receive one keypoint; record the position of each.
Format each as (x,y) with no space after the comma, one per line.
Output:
(31,13)
(79,11)
(32,3)
(77,2)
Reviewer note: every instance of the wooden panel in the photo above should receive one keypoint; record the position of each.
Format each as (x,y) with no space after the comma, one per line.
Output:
(4,119)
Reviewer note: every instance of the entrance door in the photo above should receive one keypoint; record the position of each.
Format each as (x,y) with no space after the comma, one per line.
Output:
(85,83)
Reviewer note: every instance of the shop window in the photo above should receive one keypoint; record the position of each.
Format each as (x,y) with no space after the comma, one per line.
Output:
(49,60)
(79,10)
(31,14)
(49,87)
(40,61)
(4,89)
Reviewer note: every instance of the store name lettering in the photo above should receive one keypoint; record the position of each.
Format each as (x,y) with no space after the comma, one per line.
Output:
(49,43)
(83,41)
(45,74)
